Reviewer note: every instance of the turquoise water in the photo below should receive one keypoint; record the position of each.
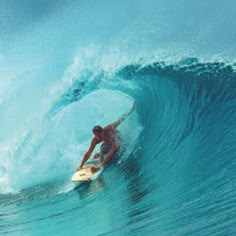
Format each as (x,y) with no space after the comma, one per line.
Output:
(69,65)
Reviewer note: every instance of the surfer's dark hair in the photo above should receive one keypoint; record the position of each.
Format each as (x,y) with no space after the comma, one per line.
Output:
(97,129)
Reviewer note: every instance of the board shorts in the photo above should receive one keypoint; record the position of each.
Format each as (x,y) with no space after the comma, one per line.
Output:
(106,147)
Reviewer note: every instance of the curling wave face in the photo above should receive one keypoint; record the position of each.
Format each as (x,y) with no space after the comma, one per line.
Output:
(181,163)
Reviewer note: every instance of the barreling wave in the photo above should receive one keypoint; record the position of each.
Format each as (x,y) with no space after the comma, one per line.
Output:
(69,65)
(183,150)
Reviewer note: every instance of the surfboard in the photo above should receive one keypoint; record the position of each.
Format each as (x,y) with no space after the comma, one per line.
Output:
(85,174)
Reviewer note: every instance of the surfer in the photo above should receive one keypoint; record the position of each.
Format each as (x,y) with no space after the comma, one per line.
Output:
(109,135)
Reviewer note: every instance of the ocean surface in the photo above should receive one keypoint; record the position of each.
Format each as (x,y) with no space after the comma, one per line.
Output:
(68,65)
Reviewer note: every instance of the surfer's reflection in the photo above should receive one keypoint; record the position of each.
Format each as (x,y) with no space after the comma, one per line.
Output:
(90,187)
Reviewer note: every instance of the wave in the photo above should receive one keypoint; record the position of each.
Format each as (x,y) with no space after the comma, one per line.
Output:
(183,138)
(187,93)
(188,141)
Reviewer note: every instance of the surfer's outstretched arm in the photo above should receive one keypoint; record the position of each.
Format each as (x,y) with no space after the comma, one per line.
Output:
(88,153)
(122,118)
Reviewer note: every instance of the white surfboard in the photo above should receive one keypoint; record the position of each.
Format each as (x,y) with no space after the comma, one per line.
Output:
(85,174)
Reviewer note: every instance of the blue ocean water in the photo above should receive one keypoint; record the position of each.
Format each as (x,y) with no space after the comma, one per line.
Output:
(68,65)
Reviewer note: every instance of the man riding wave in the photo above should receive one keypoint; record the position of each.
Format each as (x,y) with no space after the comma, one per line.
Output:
(110,137)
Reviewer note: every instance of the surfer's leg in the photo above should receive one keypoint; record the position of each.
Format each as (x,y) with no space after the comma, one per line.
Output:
(105,148)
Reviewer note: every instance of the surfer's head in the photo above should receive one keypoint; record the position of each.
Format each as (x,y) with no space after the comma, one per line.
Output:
(97,130)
